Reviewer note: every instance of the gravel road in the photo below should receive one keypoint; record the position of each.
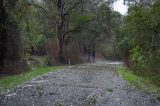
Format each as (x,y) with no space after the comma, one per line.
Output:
(94,84)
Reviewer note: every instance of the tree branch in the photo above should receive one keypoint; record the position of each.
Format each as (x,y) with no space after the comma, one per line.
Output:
(71,8)
(74,29)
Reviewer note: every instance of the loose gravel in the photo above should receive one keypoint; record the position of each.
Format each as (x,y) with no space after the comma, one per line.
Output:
(94,84)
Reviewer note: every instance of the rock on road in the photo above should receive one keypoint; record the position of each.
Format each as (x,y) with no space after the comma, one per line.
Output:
(94,84)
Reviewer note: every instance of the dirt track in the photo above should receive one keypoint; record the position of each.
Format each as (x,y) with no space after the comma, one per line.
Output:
(83,85)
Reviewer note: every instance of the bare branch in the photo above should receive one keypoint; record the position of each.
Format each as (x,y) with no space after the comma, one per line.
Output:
(70,9)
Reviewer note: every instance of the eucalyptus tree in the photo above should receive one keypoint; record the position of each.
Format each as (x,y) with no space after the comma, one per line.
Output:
(58,12)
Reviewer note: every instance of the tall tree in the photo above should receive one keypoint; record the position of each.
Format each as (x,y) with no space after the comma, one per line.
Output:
(58,12)
(3,32)
(9,34)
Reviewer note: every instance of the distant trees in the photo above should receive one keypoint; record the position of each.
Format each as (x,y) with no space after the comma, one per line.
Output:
(101,30)
(86,22)
(69,17)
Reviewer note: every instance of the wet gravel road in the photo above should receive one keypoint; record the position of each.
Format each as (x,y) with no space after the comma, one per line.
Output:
(94,84)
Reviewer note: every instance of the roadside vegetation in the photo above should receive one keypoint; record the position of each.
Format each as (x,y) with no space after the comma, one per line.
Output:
(10,82)
(144,83)
(139,44)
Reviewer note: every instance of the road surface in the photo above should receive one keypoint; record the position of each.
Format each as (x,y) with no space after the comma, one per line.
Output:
(93,84)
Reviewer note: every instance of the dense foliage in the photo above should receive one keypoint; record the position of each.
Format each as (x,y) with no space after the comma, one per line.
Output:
(139,39)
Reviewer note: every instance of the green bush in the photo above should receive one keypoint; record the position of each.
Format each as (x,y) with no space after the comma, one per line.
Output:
(139,40)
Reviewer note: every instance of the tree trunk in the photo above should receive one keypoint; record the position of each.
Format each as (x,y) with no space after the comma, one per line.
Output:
(61,43)
(9,37)
(89,53)
(84,49)
(3,49)
(61,30)
(3,33)
(89,56)
(94,52)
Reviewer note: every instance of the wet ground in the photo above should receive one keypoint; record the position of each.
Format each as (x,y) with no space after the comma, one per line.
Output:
(95,84)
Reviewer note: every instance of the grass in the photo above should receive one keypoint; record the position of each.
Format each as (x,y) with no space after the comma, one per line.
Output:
(143,83)
(11,82)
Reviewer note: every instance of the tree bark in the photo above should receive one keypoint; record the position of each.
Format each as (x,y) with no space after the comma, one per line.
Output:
(94,52)
(61,43)
(89,53)
(9,37)
(60,31)
(3,32)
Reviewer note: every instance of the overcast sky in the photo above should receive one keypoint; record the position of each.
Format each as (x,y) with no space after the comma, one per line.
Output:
(118,6)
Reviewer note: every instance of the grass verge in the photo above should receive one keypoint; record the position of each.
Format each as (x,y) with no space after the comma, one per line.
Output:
(143,83)
(11,82)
